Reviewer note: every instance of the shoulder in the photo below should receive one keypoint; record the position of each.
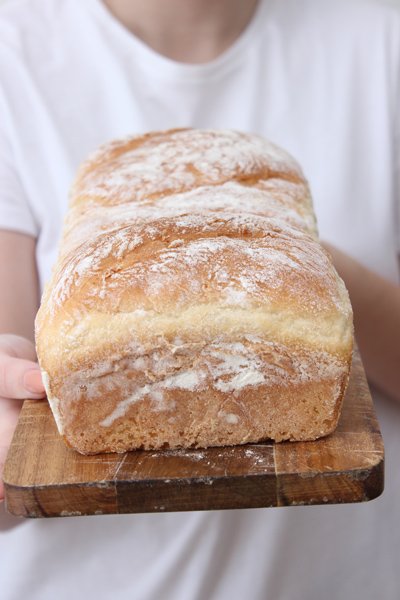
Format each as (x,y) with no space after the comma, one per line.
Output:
(28,24)
(341,35)
(366,12)
(35,37)
(360,17)
(336,19)
(18,17)
(357,8)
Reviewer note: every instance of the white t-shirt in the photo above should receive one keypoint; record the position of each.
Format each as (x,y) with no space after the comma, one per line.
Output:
(320,78)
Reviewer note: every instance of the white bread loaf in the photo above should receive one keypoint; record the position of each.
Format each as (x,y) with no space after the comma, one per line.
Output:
(192,304)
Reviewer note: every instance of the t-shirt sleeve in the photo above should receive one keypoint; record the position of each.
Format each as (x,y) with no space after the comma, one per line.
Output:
(15,211)
(397,184)
(396,140)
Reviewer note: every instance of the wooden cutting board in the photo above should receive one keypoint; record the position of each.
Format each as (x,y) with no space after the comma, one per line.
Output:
(43,478)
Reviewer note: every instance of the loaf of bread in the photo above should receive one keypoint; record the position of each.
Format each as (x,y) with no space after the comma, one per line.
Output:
(192,304)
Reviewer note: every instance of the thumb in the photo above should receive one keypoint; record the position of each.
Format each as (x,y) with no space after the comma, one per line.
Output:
(17,346)
(20,378)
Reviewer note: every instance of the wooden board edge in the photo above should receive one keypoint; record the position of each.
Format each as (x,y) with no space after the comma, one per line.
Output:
(60,500)
(344,487)
(198,494)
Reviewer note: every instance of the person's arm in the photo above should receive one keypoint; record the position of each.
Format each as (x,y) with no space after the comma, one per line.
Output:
(19,300)
(376,305)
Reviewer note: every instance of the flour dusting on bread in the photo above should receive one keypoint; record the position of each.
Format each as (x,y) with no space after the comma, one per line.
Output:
(192,303)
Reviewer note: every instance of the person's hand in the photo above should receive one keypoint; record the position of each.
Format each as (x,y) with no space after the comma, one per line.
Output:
(19,379)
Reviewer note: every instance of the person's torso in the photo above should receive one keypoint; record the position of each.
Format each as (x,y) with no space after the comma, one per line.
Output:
(80,79)
(318,78)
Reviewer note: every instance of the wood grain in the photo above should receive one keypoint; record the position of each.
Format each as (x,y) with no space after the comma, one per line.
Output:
(43,478)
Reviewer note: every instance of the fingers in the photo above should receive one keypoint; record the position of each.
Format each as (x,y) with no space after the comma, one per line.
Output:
(20,379)
(9,411)
(3,454)
(19,373)
(18,347)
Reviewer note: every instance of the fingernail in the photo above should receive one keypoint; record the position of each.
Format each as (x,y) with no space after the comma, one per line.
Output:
(33,381)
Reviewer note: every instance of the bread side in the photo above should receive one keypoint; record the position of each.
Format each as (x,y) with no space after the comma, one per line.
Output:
(192,304)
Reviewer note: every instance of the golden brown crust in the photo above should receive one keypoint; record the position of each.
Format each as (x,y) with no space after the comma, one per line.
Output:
(190,277)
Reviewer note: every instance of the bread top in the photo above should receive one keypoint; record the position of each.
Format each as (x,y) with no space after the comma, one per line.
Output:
(208,233)
(186,171)
(159,164)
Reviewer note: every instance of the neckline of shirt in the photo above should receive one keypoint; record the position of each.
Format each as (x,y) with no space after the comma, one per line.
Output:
(166,68)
